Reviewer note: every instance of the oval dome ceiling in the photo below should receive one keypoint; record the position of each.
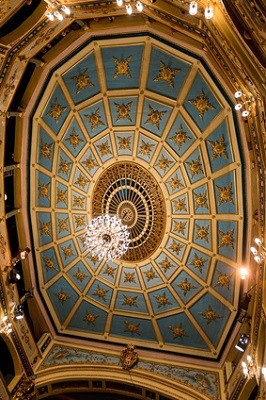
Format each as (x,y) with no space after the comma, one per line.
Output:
(136,127)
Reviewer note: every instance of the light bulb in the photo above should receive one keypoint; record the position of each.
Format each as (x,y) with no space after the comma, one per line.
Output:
(238,106)
(257,241)
(254,250)
(50,16)
(66,10)
(139,6)
(238,94)
(208,12)
(58,15)
(243,273)
(129,9)
(257,259)
(193,8)
(119,2)
(245,113)
(4,318)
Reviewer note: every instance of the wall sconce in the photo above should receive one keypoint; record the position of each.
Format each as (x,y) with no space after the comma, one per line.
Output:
(208,12)
(18,312)
(193,10)
(24,253)
(5,325)
(129,8)
(259,256)
(54,11)
(243,342)
(239,105)
(249,367)
(243,273)
(14,276)
(263,371)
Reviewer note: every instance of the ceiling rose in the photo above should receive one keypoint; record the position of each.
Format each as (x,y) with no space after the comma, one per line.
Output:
(129,191)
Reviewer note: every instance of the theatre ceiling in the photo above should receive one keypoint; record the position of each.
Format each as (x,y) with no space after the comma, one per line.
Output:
(138,128)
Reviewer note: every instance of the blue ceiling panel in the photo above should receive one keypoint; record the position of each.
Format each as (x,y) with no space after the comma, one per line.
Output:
(180,227)
(132,328)
(88,318)
(202,233)
(50,265)
(180,137)
(44,228)
(123,110)
(109,272)
(45,150)
(178,331)
(89,162)
(80,275)
(199,263)
(167,73)
(185,286)
(164,162)
(63,297)
(62,225)
(224,280)
(150,276)
(56,111)
(79,221)
(100,292)
(201,200)
(180,205)
(162,300)
(130,302)
(94,119)
(74,140)
(146,147)
(176,182)
(64,166)
(129,278)
(166,265)
(122,65)
(124,143)
(227,234)
(82,80)
(67,251)
(211,315)
(225,194)
(201,104)
(195,166)
(219,147)
(44,189)
(78,201)
(61,195)
(155,116)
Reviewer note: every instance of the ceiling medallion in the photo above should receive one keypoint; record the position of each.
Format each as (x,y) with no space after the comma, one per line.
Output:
(130,192)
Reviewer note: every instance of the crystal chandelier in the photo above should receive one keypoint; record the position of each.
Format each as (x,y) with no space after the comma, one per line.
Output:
(106,237)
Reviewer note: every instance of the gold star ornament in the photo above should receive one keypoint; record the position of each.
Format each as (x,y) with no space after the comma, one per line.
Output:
(202,104)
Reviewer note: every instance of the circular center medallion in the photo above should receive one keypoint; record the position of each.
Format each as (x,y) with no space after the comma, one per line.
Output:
(129,191)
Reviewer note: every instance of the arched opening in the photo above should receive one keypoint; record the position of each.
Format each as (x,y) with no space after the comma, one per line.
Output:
(7,367)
